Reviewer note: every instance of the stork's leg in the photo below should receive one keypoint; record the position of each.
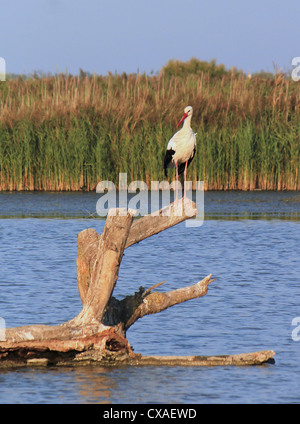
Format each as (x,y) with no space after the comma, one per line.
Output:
(177,179)
(184,185)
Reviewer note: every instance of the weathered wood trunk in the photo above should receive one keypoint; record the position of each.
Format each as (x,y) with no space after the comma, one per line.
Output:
(98,333)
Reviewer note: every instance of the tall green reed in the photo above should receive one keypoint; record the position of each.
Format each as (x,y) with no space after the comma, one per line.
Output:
(69,133)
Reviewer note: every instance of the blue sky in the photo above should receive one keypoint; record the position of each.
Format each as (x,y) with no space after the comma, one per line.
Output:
(129,35)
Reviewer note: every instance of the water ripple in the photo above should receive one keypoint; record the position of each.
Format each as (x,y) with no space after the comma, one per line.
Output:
(249,307)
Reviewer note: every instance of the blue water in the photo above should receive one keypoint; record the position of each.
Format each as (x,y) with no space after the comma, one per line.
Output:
(248,241)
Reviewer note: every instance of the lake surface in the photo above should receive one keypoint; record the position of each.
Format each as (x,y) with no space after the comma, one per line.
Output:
(248,241)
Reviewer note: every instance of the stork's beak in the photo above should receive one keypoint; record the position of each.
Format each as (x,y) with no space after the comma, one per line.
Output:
(185,115)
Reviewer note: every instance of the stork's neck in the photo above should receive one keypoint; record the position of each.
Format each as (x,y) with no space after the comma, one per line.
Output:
(187,123)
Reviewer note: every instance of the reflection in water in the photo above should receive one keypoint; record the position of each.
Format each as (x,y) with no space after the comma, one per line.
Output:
(94,384)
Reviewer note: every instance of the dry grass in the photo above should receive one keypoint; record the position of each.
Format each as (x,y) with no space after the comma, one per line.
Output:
(65,132)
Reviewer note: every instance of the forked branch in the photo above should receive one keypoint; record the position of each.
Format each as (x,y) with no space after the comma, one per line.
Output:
(88,240)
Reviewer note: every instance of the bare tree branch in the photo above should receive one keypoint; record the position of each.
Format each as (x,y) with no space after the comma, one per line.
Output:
(157,301)
(97,333)
(161,220)
(106,266)
(141,229)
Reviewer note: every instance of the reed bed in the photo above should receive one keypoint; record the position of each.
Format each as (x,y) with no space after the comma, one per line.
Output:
(69,132)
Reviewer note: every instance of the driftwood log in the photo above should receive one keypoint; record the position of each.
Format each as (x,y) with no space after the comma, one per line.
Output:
(97,335)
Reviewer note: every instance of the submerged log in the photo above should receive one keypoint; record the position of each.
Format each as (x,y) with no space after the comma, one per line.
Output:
(97,335)
(253,358)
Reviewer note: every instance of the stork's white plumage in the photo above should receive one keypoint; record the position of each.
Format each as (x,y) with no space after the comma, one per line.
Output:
(181,148)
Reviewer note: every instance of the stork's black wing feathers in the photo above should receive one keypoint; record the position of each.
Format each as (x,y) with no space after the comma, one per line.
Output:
(168,158)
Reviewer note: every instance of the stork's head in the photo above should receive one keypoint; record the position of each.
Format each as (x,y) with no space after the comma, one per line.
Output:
(188,111)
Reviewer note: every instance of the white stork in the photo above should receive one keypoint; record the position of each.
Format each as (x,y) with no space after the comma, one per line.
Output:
(181,148)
